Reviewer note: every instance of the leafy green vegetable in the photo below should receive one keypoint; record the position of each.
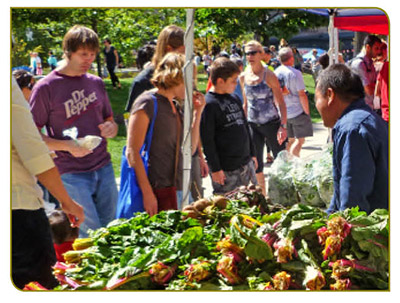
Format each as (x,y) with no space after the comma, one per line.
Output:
(234,249)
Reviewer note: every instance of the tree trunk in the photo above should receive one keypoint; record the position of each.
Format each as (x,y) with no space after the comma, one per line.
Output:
(98,59)
(265,40)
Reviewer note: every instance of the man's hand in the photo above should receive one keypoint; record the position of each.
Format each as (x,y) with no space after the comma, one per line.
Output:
(255,163)
(281,135)
(199,101)
(218,177)
(204,170)
(76,150)
(108,129)
(74,212)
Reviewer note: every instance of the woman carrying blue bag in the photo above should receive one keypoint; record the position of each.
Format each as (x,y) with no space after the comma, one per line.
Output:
(155,132)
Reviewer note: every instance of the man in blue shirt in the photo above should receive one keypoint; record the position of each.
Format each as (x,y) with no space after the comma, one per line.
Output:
(360,141)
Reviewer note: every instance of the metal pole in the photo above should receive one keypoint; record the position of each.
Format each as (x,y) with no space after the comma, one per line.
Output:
(336,44)
(331,37)
(188,108)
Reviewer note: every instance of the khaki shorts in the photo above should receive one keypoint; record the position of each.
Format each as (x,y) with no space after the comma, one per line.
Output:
(300,126)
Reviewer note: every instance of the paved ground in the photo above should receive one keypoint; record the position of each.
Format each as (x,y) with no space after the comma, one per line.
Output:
(311,146)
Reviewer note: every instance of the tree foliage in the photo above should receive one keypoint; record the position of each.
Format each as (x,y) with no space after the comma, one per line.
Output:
(263,23)
(130,28)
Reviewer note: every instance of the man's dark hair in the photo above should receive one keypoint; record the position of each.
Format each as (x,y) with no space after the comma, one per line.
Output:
(371,40)
(222,68)
(324,60)
(145,54)
(79,36)
(343,81)
(61,229)
(267,50)
(108,40)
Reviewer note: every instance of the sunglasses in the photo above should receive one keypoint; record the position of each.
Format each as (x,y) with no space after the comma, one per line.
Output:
(31,85)
(251,53)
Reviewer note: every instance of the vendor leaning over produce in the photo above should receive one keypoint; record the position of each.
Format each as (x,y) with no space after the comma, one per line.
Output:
(360,141)
(70,97)
(32,246)
(225,133)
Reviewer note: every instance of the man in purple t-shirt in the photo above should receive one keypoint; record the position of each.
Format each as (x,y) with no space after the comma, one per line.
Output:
(70,97)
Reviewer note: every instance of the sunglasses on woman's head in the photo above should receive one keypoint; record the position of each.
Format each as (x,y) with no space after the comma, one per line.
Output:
(251,53)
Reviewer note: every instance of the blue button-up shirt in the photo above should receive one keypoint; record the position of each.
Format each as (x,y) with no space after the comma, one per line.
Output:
(360,160)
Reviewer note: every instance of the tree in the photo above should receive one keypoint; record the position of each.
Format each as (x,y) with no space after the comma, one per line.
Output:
(128,28)
(131,28)
(263,23)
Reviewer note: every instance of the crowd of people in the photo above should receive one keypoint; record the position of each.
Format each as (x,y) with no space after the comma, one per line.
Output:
(255,98)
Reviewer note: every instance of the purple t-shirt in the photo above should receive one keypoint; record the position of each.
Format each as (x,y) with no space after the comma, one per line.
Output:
(60,102)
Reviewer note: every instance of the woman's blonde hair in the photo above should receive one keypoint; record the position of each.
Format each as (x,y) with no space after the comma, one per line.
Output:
(169,72)
(255,44)
(172,36)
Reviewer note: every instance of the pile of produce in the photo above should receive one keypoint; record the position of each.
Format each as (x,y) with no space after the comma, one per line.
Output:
(309,181)
(226,244)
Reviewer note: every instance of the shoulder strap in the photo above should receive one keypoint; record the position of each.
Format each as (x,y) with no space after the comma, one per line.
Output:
(149,135)
(178,137)
(265,74)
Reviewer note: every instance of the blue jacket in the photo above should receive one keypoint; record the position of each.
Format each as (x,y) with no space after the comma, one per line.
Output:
(360,160)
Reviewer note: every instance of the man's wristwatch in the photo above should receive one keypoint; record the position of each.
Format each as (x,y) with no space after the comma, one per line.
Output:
(283,125)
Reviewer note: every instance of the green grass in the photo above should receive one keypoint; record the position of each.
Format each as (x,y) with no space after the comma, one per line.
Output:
(310,87)
(202,82)
(118,101)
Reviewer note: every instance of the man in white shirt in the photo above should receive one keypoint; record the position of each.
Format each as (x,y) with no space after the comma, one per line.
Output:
(363,65)
(299,123)
(32,247)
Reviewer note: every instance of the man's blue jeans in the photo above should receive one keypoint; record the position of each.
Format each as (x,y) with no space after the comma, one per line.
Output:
(97,192)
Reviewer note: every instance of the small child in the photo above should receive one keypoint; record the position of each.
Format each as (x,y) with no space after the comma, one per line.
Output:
(225,133)
(63,234)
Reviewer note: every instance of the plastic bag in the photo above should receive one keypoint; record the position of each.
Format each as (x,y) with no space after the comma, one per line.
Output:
(324,173)
(305,182)
(89,141)
(281,189)
(309,181)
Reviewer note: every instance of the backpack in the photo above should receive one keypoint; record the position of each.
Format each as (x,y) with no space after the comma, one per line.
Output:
(350,62)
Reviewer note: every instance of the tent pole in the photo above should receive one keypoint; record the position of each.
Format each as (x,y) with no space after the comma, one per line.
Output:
(336,44)
(331,36)
(188,110)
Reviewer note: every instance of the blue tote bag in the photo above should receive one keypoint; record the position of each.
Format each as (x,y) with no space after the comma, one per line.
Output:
(130,198)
